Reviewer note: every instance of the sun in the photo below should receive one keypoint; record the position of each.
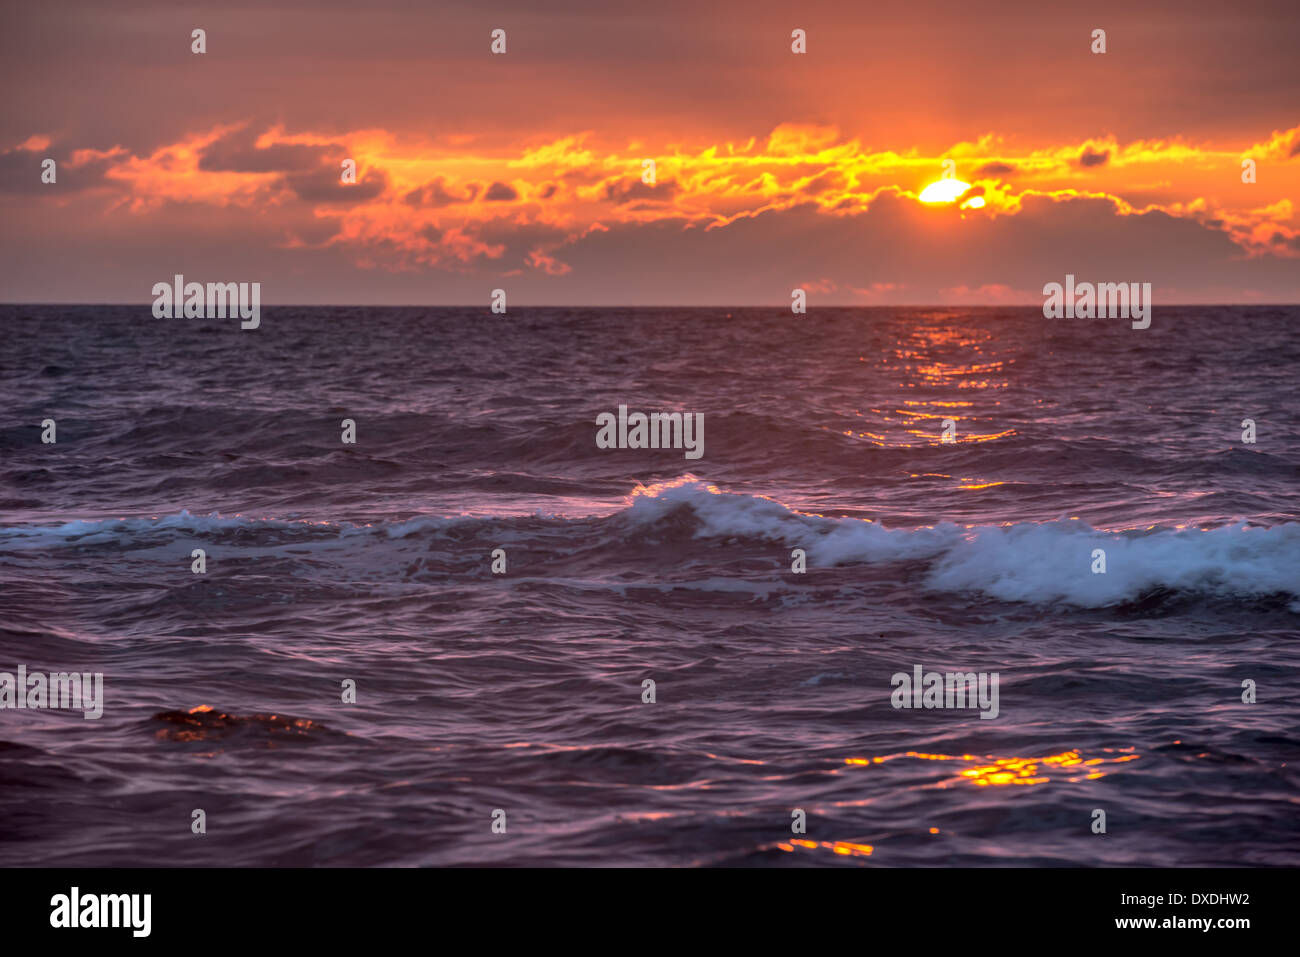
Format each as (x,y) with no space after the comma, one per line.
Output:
(947,191)
(943,191)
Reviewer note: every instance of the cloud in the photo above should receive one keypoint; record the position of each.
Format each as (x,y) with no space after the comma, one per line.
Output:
(621,190)
(1091,157)
(725,221)
(238,152)
(76,171)
(436,194)
(324,185)
(501,193)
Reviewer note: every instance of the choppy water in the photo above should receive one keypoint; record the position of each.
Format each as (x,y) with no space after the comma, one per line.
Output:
(523,691)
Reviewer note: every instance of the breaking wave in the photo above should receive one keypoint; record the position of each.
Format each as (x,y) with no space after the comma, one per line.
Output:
(1030,562)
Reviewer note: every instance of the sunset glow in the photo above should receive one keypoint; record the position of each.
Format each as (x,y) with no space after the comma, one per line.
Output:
(533,173)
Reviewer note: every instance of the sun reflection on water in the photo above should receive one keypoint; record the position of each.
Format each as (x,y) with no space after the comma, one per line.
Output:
(843,848)
(991,771)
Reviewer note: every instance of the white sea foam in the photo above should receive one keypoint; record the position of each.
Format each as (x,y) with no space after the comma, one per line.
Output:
(1024,562)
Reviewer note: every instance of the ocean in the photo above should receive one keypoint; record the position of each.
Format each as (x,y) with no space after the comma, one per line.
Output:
(473,636)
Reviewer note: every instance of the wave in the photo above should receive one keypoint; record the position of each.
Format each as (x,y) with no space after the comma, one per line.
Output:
(1028,562)
(1037,562)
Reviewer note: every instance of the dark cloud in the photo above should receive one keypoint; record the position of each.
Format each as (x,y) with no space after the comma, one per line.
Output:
(996,169)
(236,153)
(436,194)
(628,190)
(312,173)
(20,173)
(758,259)
(1090,157)
(323,185)
(518,242)
(501,193)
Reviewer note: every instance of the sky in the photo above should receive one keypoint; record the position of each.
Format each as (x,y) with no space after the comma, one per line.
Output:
(773,170)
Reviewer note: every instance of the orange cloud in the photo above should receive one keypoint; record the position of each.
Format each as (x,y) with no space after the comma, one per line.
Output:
(448,204)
